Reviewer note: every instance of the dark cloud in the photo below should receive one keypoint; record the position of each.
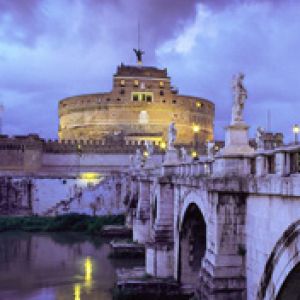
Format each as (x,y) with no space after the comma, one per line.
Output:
(50,49)
(259,39)
(20,21)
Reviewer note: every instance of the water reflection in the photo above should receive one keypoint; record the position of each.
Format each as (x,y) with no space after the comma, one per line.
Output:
(88,269)
(88,279)
(55,267)
(77,288)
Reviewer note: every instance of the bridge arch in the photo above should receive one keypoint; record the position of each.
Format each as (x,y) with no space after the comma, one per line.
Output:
(192,241)
(282,263)
(193,197)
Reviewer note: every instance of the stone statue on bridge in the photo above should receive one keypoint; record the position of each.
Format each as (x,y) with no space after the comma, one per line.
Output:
(138,159)
(183,154)
(172,135)
(149,147)
(210,150)
(240,95)
(259,138)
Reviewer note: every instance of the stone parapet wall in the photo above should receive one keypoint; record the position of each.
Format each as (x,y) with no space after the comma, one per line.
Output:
(38,156)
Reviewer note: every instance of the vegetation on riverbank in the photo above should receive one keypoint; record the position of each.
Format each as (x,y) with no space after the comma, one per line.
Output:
(68,222)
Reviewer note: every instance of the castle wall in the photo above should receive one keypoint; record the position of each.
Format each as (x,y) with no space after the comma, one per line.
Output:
(52,196)
(75,163)
(57,196)
(80,121)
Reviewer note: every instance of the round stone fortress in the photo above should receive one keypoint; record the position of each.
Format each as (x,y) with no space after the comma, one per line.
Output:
(140,107)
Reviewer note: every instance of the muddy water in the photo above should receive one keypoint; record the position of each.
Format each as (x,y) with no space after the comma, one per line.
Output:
(56,267)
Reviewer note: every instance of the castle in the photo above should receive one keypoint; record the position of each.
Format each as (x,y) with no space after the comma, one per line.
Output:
(140,107)
(98,137)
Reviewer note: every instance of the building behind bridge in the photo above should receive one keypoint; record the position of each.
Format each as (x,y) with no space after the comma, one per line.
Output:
(140,107)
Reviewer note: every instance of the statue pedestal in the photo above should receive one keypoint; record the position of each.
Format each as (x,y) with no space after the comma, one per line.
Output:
(171,157)
(235,157)
(150,163)
(170,162)
(236,140)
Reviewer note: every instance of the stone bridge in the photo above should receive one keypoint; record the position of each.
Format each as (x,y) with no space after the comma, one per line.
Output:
(226,226)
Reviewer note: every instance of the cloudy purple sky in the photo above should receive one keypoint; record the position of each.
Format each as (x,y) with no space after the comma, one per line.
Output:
(51,49)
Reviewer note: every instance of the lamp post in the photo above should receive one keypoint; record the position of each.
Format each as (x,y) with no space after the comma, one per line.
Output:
(196,130)
(296,130)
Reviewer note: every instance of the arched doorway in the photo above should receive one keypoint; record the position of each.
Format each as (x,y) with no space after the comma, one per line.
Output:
(291,287)
(192,244)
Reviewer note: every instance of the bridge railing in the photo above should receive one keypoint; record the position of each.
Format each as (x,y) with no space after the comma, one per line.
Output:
(193,169)
(280,161)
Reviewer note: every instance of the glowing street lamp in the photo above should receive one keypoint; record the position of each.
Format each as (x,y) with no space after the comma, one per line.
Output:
(163,145)
(296,130)
(196,128)
(194,154)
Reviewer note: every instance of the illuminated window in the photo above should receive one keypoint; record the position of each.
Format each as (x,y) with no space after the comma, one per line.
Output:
(142,96)
(135,97)
(136,83)
(161,84)
(122,82)
(143,85)
(198,104)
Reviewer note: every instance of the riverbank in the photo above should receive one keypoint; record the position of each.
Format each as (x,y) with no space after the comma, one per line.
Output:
(64,223)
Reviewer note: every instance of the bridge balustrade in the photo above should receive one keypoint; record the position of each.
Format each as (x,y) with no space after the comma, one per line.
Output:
(281,162)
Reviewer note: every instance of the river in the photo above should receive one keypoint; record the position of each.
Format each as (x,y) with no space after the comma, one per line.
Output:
(60,266)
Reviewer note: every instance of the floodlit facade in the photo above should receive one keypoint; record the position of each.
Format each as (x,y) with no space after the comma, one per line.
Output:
(140,107)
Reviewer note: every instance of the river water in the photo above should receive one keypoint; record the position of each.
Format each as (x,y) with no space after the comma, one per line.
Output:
(62,266)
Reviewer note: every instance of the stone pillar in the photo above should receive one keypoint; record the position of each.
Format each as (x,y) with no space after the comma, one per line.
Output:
(282,163)
(132,201)
(260,165)
(141,224)
(160,251)
(222,276)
